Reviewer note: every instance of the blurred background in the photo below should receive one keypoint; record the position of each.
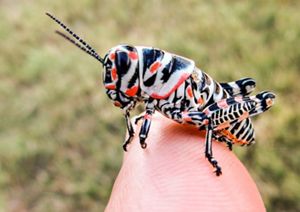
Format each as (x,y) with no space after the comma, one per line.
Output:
(60,136)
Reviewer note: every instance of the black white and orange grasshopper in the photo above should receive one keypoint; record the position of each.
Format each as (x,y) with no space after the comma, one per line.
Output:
(175,87)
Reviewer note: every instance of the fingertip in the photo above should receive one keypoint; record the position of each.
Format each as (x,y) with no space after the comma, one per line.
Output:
(172,174)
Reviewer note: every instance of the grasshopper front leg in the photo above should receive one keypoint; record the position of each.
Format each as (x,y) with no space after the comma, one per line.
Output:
(129,129)
(144,128)
(146,123)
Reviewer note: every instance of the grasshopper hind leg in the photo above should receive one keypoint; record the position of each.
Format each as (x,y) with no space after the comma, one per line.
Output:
(242,87)
(208,149)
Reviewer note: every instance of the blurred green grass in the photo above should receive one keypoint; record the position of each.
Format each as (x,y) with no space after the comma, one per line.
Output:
(60,137)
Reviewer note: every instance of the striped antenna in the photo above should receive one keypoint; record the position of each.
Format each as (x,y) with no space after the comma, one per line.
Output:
(86,47)
(79,46)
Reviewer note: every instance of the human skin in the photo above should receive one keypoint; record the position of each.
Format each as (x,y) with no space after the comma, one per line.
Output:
(172,174)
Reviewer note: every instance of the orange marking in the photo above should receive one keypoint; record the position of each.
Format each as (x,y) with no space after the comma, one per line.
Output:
(205,122)
(117,104)
(189,91)
(112,56)
(244,116)
(114,73)
(200,101)
(180,81)
(133,55)
(154,66)
(222,104)
(131,91)
(147,116)
(229,135)
(232,137)
(269,102)
(223,125)
(110,86)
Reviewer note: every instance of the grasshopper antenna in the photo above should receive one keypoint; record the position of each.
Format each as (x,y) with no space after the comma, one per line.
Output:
(80,46)
(85,46)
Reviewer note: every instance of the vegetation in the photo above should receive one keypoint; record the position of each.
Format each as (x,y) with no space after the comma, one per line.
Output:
(60,136)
